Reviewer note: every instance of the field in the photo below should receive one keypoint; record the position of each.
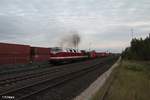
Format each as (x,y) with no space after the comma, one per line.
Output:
(129,81)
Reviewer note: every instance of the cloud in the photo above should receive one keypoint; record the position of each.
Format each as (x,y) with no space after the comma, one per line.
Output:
(101,22)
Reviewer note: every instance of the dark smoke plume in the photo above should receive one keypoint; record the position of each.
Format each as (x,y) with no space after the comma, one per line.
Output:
(71,40)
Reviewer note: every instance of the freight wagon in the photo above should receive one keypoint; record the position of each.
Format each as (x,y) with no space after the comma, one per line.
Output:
(40,54)
(14,53)
(102,54)
(22,54)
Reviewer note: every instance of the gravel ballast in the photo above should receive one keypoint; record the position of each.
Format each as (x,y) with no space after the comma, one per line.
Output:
(73,88)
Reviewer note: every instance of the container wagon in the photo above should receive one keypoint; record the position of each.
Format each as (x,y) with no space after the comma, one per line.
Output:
(14,53)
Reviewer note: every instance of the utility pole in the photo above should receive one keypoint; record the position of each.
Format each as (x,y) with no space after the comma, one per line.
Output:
(89,46)
(132,34)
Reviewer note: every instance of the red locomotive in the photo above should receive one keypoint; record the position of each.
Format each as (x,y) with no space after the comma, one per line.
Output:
(66,55)
(23,54)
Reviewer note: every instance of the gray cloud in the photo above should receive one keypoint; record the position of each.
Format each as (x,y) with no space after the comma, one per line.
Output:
(101,22)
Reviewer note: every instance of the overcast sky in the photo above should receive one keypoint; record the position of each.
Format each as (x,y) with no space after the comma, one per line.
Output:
(102,24)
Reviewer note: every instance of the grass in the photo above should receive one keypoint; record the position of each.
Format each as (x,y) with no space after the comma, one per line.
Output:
(129,81)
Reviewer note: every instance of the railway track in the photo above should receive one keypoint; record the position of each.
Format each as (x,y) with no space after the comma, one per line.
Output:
(20,69)
(29,75)
(38,82)
(27,91)
(26,68)
(25,76)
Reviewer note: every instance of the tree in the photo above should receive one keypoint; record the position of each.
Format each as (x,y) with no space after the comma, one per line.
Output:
(139,49)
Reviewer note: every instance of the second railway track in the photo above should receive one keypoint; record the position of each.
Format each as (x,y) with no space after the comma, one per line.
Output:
(29,75)
(25,92)
(46,80)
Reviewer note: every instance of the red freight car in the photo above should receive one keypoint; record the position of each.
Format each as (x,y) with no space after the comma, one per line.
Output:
(102,54)
(39,54)
(40,51)
(14,53)
(92,54)
(6,48)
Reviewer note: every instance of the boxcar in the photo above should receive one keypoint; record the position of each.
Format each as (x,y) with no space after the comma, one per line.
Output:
(40,54)
(14,53)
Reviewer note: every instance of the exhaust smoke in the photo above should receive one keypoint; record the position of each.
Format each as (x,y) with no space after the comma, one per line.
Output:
(71,40)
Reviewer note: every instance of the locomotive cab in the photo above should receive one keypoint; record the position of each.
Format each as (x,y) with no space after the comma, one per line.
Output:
(56,50)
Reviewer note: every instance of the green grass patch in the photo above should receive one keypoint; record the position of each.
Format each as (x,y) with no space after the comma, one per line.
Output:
(129,81)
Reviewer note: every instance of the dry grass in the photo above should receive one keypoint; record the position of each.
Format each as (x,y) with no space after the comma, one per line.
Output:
(131,81)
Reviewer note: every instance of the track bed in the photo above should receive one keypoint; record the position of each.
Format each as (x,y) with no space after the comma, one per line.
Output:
(48,84)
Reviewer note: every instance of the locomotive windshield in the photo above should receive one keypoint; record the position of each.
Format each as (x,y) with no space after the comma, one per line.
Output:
(56,50)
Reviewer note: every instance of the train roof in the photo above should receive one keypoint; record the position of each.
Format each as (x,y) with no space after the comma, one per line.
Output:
(60,49)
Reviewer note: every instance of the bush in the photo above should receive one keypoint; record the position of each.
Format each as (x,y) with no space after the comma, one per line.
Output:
(139,49)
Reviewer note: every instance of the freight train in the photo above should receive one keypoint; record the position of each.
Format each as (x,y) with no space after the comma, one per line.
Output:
(24,54)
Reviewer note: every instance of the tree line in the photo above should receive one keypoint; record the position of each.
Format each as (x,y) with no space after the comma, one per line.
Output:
(139,49)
